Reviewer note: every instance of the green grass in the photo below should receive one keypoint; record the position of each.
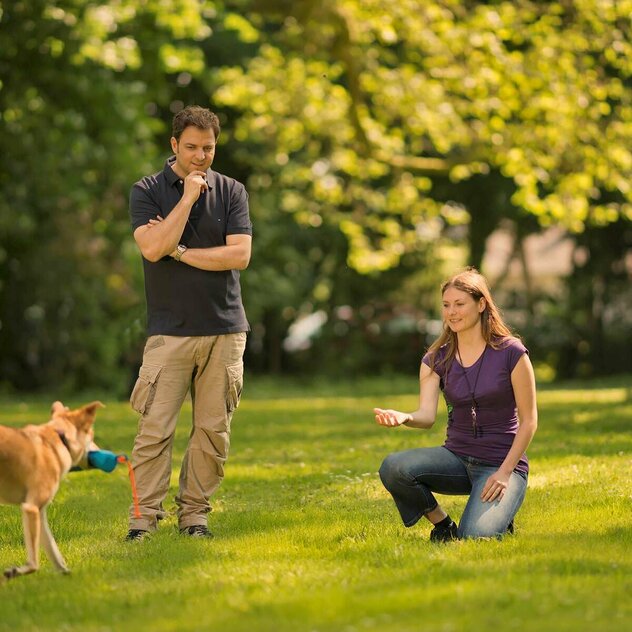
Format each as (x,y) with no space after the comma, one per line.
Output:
(307,538)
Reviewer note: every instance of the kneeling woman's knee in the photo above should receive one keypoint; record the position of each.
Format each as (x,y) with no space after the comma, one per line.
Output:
(390,471)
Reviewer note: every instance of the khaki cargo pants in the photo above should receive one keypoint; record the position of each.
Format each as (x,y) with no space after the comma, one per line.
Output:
(211,367)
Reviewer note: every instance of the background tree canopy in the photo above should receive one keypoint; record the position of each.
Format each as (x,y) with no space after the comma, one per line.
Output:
(382,142)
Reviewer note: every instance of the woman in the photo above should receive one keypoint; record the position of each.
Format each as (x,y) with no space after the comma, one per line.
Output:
(488,383)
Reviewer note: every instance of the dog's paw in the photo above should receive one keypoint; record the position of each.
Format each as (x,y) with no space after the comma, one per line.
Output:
(10,573)
(16,571)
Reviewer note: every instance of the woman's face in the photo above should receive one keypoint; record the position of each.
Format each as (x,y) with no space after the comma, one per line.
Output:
(461,311)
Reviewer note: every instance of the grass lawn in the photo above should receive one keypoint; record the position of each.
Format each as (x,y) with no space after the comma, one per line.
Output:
(307,539)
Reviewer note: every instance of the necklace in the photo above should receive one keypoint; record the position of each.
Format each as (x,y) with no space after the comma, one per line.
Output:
(476,429)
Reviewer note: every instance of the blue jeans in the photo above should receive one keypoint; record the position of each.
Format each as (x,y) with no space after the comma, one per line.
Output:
(413,475)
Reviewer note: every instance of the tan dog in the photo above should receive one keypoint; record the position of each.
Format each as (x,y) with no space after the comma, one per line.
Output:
(33,460)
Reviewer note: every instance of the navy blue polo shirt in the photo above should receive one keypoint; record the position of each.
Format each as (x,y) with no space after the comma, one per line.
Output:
(183,300)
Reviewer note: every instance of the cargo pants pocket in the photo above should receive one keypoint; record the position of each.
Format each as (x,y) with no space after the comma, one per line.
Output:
(144,390)
(235,378)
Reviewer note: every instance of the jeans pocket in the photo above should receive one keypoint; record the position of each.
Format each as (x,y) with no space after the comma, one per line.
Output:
(144,391)
(235,379)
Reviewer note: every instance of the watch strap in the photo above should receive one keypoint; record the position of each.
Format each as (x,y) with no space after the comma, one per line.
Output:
(180,250)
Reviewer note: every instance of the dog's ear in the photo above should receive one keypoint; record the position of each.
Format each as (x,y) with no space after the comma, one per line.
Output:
(58,407)
(88,412)
(91,408)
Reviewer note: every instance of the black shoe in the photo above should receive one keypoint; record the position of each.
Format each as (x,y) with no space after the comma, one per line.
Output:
(510,528)
(444,534)
(197,531)
(136,534)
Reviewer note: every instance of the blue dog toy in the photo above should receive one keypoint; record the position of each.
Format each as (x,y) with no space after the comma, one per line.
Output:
(103,460)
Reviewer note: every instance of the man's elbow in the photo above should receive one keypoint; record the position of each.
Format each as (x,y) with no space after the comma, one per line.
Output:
(243,261)
(152,255)
(148,249)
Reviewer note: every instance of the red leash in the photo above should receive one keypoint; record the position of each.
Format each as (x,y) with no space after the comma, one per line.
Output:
(132,480)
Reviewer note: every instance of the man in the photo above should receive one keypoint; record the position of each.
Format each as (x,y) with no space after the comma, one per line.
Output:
(193,229)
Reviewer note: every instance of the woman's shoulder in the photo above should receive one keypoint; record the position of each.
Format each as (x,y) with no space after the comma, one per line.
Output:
(509,344)
(510,350)
(438,352)
(431,358)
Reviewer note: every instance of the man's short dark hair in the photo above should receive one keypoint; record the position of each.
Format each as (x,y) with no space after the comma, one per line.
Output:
(200,117)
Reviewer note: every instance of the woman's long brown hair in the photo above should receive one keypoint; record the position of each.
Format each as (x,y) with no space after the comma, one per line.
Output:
(493,327)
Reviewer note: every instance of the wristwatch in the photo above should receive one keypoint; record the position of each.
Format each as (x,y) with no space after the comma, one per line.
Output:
(180,250)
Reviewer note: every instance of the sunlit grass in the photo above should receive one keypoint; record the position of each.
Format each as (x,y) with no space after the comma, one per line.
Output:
(307,538)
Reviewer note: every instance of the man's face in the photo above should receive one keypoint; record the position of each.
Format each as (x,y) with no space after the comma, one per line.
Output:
(194,151)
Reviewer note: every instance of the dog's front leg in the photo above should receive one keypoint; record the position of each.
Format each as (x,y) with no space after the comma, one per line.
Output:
(49,544)
(31,524)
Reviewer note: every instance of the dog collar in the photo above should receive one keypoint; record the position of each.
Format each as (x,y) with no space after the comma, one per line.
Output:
(62,436)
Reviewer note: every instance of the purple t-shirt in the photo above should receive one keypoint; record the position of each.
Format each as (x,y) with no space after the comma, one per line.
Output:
(497,417)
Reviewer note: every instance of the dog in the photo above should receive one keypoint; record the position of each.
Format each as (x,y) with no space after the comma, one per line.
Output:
(33,460)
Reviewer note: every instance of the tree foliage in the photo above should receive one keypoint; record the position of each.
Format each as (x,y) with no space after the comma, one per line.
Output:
(359,108)
(394,121)
(370,133)
(76,132)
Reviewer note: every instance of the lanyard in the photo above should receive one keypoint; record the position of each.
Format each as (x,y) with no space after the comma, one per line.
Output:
(476,429)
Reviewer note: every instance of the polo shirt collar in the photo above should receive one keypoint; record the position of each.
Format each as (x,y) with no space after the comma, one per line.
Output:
(172,177)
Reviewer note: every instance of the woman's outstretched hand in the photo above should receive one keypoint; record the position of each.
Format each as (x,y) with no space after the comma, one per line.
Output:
(388,417)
